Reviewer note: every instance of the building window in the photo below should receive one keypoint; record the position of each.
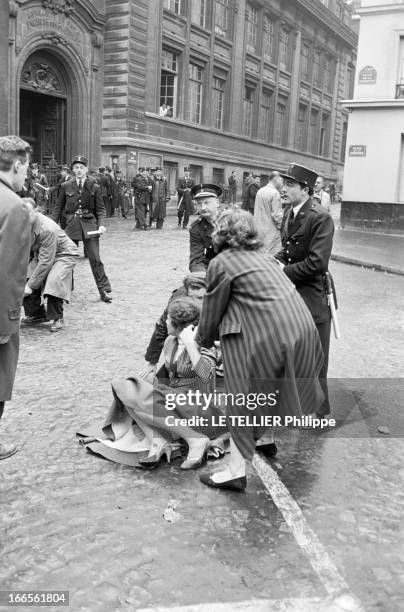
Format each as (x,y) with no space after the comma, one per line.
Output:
(168,83)
(343,140)
(314,131)
(252,26)
(305,62)
(280,124)
(327,85)
(198,12)
(317,68)
(218,176)
(349,82)
(222,21)
(324,136)
(218,100)
(195,93)
(301,128)
(175,6)
(264,128)
(284,50)
(268,40)
(248,104)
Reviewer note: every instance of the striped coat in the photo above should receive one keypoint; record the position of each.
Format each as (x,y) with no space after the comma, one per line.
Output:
(268,339)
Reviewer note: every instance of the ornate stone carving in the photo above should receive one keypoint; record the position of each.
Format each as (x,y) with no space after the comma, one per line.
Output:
(13,8)
(42,78)
(55,39)
(59,6)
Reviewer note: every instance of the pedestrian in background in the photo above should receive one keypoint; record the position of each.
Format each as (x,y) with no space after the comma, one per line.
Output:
(14,257)
(81,201)
(251,193)
(321,195)
(233,187)
(184,207)
(142,187)
(160,195)
(268,213)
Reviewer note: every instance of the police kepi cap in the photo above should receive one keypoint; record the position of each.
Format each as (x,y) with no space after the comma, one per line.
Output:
(204,190)
(301,174)
(79,159)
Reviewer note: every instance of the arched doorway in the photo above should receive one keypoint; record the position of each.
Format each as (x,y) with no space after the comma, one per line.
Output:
(44,102)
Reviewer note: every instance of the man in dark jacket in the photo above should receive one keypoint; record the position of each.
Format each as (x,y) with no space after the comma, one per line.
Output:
(306,235)
(206,196)
(14,256)
(184,207)
(233,187)
(80,199)
(142,186)
(160,196)
(251,193)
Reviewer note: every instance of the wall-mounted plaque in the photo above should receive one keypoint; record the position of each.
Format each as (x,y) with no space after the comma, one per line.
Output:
(357,151)
(367,75)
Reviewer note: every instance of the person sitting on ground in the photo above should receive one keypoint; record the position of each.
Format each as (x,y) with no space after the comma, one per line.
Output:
(50,271)
(193,286)
(201,251)
(186,367)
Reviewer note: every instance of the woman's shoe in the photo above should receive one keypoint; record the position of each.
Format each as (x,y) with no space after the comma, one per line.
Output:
(153,461)
(236,484)
(193,463)
(269,450)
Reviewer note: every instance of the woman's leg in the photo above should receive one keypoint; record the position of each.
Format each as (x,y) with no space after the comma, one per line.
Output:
(236,466)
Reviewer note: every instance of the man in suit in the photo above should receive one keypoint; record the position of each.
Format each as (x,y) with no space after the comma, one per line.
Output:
(14,256)
(268,212)
(251,193)
(184,208)
(307,234)
(81,201)
(201,249)
(233,187)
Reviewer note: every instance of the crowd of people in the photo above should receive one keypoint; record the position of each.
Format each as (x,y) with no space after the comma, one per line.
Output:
(246,334)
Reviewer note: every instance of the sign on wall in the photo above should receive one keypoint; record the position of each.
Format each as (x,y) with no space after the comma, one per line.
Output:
(367,75)
(357,151)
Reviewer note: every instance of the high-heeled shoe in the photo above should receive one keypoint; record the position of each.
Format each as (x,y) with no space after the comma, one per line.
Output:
(269,450)
(235,484)
(153,461)
(193,463)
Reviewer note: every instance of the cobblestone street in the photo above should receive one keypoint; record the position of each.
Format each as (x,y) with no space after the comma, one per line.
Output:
(73,521)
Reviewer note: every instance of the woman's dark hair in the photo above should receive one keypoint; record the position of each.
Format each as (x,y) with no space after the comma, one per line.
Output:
(184,311)
(236,229)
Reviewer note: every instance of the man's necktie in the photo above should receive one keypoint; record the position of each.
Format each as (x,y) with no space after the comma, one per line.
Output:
(291,219)
(80,185)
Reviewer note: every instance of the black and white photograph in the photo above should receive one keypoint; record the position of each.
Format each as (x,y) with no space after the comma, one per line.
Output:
(201,305)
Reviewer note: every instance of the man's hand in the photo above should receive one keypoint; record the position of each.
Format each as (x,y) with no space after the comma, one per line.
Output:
(27,290)
(4,339)
(149,370)
(102,229)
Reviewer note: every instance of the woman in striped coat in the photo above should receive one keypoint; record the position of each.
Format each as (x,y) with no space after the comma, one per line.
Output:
(268,339)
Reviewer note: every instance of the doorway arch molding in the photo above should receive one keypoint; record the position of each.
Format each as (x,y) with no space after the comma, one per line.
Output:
(70,66)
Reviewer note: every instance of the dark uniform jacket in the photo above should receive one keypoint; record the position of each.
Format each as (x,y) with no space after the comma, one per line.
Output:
(200,244)
(233,183)
(306,250)
(249,197)
(141,189)
(184,189)
(84,211)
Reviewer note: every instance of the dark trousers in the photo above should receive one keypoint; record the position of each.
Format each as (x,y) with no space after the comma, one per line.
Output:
(1,408)
(324,331)
(159,223)
(184,212)
(233,195)
(92,252)
(34,308)
(141,214)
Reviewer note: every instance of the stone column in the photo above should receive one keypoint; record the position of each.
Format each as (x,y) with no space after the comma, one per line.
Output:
(5,9)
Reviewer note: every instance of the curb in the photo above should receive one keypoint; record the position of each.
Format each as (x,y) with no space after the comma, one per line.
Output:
(366,264)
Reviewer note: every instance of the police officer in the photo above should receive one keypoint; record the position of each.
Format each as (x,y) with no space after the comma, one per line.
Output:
(142,187)
(184,207)
(206,196)
(306,234)
(81,201)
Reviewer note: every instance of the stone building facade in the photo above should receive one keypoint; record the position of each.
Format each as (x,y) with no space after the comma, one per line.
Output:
(212,84)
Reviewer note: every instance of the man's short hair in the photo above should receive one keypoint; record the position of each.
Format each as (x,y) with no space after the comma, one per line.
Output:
(273,175)
(12,148)
(193,281)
